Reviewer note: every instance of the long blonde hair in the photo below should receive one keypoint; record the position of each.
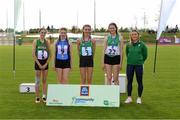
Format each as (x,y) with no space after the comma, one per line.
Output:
(131,33)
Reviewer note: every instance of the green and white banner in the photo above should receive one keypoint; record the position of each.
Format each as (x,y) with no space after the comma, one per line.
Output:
(83,95)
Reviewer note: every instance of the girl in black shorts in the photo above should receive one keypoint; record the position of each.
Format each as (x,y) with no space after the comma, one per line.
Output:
(41,55)
(62,57)
(113,54)
(86,50)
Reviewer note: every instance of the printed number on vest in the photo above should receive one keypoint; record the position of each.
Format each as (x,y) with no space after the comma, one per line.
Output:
(86,51)
(112,50)
(62,50)
(42,54)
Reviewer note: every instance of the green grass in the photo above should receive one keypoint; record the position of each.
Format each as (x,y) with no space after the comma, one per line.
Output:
(161,94)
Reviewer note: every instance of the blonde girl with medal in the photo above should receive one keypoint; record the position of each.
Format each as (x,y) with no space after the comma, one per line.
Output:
(86,50)
(62,57)
(41,54)
(113,54)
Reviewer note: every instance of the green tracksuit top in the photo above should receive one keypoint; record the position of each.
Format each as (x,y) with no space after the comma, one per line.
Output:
(136,53)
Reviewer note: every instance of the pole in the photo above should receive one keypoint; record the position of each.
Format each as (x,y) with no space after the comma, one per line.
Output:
(94,15)
(23,18)
(144,21)
(77,18)
(39,18)
(7,22)
(14,52)
(14,36)
(155,56)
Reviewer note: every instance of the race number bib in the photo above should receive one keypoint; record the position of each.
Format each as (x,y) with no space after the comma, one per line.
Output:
(86,51)
(112,50)
(62,50)
(42,54)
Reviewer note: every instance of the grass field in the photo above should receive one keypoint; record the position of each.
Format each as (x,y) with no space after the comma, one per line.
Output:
(161,97)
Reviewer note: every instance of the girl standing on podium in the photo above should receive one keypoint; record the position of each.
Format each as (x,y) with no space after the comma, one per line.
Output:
(41,54)
(62,56)
(113,54)
(86,51)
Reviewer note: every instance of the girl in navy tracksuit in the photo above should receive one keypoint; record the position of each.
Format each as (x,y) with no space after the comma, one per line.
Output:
(136,52)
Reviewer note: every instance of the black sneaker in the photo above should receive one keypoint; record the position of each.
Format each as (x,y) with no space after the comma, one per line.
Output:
(44,99)
(37,100)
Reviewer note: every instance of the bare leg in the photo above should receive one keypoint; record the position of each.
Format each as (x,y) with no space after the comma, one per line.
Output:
(116,74)
(83,75)
(89,74)
(59,75)
(37,82)
(65,74)
(109,73)
(44,79)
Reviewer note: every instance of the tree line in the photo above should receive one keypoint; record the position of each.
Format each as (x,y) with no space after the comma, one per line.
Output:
(75,29)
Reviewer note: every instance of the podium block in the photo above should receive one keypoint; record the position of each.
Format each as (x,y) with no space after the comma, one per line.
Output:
(27,88)
(122,82)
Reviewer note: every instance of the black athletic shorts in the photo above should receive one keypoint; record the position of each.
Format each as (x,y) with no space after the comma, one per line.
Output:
(112,60)
(86,61)
(62,64)
(42,62)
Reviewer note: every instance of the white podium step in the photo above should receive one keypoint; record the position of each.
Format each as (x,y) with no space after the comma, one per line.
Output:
(27,88)
(122,82)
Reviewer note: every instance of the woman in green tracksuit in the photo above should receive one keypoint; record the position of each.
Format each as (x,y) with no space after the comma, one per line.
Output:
(136,52)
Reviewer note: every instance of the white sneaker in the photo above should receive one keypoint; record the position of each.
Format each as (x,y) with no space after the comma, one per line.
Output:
(128,100)
(138,101)
(44,98)
(37,100)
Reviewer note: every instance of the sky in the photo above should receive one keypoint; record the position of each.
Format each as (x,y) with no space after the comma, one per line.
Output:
(66,13)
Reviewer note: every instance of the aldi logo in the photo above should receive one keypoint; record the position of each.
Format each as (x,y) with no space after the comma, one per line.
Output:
(84,91)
